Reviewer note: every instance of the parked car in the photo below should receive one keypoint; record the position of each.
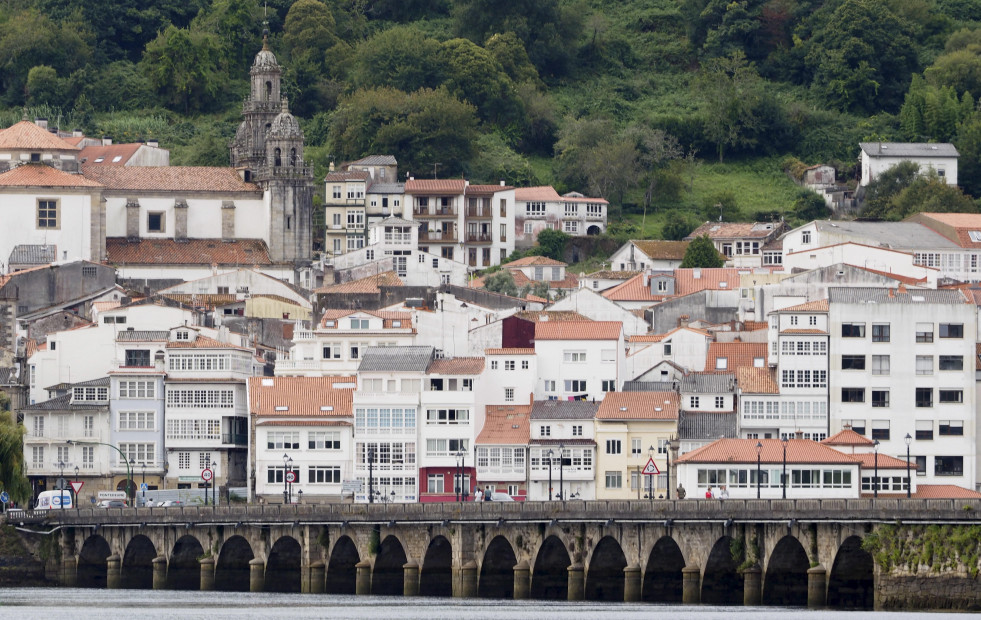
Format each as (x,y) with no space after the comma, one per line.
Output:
(501,497)
(170,503)
(112,503)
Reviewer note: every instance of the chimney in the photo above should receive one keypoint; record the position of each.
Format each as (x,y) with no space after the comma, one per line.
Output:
(153,142)
(77,133)
(132,219)
(696,273)
(502,182)
(227,220)
(798,434)
(41,122)
(180,220)
(330,168)
(902,288)
(892,293)
(683,320)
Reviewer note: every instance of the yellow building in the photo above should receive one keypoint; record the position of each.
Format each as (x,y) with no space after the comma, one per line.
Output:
(630,428)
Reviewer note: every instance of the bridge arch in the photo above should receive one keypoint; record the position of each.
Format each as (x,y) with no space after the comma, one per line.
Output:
(722,584)
(550,577)
(232,567)
(604,578)
(137,568)
(785,582)
(283,566)
(497,570)
(388,574)
(183,570)
(852,580)
(342,574)
(436,575)
(663,579)
(92,566)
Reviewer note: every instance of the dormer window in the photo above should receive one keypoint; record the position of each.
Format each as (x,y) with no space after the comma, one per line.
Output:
(359,323)
(396,323)
(330,323)
(35,157)
(183,335)
(721,363)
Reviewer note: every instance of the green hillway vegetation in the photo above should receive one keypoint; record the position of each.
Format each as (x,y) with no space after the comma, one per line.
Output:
(676,111)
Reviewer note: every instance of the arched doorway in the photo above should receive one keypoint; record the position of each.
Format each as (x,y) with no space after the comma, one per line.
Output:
(137,569)
(436,576)
(785,583)
(852,581)
(663,580)
(232,568)
(342,574)
(183,570)
(92,565)
(497,570)
(283,566)
(550,578)
(388,575)
(722,584)
(593,230)
(604,579)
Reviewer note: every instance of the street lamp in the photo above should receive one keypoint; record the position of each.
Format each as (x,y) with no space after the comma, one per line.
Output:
(759,457)
(549,454)
(286,464)
(371,479)
(875,477)
(667,469)
(214,484)
(561,471)
(290,469)
(61,487)
(143,482)
(783,478)
(650,479)
(73,488)
(461,460)
(129,472)
(909,482)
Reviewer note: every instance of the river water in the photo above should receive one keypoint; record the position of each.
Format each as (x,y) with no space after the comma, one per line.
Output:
(72,603)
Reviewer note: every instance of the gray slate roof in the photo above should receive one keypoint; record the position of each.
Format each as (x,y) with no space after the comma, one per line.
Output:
(393,221)
(100,382)
(909,149)
(648,386)
(64,403)
(701,425)
(563,410)
(387,188)
(878,295)
(142,336)
(33,255)
(375,160)
(396,359)
(902,235)
(709,383)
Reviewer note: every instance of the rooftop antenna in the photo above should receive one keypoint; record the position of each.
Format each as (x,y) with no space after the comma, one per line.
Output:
(435,165)
(265,25)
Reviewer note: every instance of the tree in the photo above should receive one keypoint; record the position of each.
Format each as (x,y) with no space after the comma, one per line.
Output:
(679,227)
(184,67)
(403,57)
(701,252)
(722,207)
(309,31)
(501,282)
(473,74)
(552,243)
(235,26)
(881,190)
(12,477)
(968,143)
(45,87)
(929,193)
(496,161)
(655,147)
(810,206)
(538,289)
(731,91)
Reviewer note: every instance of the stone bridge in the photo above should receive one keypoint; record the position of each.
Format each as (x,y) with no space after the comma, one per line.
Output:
(770,552)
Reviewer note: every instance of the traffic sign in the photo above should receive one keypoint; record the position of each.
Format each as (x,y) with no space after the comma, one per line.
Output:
(650,469)
(4,498)
(207,475)
(291,477)
(76,486)
(144,487)
(61,484)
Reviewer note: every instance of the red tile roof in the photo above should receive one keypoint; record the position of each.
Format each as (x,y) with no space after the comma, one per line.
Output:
(108,154)
(26,135)
(799,451)
(509,351)
(847,437)
(660,337)
(658,249)
(370,284)
(757,380)
(456,366)
(868,461)
(435,186)
(634,289)
(954,226)
(303,396)
(487,189)
(170,179)
(733,230)
(536,298)
(688,281)
(578,330)
(41,175)
(202,342)
(334,314)
(606,274)
(638,406)
(540,193)
(752,326)
(119,251)
(509,425)
(943,491)
(347,175)
(550,315)
(738,354)
(820,305)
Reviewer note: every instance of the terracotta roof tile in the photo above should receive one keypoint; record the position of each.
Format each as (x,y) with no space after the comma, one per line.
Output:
(435,186)
(335,314)
(487,189)
(203,342)
(961,223)
(847,437)
(509,351)
(347,175)
(752,326)
(799,451)
(867,459)
(370,284)
(27,135)
(819,305)
(541,193)
(734,230)
(638,406)
(737,354)
(102,306)
(119,251)
(688,281)
(536,298)
(506,426)
(528,261)
(570,281)
(108,154)
(40,175)
(943,491)
(456,366)
(550,315)
(757,380)
(578,330)
(302,396)
(634,289)
(170,178)
(664,250)
(660,337)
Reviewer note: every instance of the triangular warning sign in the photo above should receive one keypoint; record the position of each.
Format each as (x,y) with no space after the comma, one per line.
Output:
(76,485)
(651,469)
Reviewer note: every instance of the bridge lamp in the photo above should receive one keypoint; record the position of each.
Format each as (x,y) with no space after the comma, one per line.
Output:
(650,478)
(214,483)
(549,455)
(783,478)
(61,465)
(759,458)
(561,471)
(290,466)
(286,493)
(76,480)
(875,475)
(909,482)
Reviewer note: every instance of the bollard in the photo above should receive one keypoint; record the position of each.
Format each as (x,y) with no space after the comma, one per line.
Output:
(817,590)
(468,578)
(318,577)
(522,580)
(114,576)
(159,572)
(207,577)
(410,578)
(752,585)
(69,572)
(257,575)
(691,577)
(363,583)
(577,583)
(631,584)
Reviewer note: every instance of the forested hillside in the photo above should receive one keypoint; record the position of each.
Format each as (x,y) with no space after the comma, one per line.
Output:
(636,100)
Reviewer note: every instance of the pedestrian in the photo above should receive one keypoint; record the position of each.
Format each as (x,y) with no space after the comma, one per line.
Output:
(477,495)
(708,493)
(681,491)
(725,493)
(487,493)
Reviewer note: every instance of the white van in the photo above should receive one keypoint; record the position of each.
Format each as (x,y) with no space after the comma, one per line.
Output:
(54,500)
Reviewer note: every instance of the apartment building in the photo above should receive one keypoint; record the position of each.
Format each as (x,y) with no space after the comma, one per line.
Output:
(542,208)
(578,360)
(502,450)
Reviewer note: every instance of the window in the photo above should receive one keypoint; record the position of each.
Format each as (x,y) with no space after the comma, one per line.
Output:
(695,401)
(577,430)
(924,364)
(448,416)
(509,395)
(508,364)
(37,457)
(609,385)
(88,426)
(950,396)
(880,398)
(948,465)
(924,429)
(613,446)
(47,214)
(445,447)
(805,237)
(136,421)
(856,425)
(145,453)
(853,395)
(635,447)
(880,332)
(853,362)
(880,364)
(359,323)
(546,431)
(528,228)
(812,321)
(880,430)
(614,480)
(951,428)
(575,385)
(951,330)
(535,208)
(574,357)
(324,474)
(493,364)
(279,440)
(155,221)
(193,429)
(332,352)
(951,362)
(324,441)
(924,397)
(924,332)
(853,330)
(524,365)
(434,483)
(720,402)
(200,399)
(549,385)
(88,457)
(135,357)
(721,363)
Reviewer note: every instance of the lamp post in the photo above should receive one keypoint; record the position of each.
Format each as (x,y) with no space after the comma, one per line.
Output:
(909,482)
(549,454)
(371,479)
(61,487)
(461,492)
(290,469)
(759,457)
(129,472)
(286,493)
(75,501)
(875,476)
(214,484)
(667,469)
(561,471)
(143,482)
(650,479)
(783,478)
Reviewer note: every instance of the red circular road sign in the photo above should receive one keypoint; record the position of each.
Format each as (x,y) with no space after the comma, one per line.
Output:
(291,477)
(207,475)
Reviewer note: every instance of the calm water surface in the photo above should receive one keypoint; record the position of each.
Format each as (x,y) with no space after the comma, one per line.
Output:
(71,603)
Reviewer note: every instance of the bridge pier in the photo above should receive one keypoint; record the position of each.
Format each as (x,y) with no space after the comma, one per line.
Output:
(468,580)
(577,583)
(522,580)
(69,571)
(631,584)
(159,564)
(114,577)
(817,587)
(257,575)
(318,577)
(207,576)
(362,584)
(752,586)
(691,585)
(410,578)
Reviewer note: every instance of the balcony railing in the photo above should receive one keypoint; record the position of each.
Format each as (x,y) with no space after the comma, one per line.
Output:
(235,439)
(594,216)
(448,236)
(434,211)
(398,237)
(478,238)
(479,212)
